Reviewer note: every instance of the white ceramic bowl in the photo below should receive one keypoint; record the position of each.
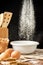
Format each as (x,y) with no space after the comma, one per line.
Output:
(24,47)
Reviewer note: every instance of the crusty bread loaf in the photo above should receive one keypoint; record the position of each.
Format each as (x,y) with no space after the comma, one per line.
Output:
(3,39)
(3,32)
(3,44)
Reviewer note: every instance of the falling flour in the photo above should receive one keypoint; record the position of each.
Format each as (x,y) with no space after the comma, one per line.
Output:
(27,21)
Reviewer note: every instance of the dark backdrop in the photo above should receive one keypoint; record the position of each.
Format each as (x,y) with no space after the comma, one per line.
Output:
(15,7)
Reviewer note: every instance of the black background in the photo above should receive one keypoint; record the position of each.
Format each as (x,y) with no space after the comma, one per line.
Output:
(15,7)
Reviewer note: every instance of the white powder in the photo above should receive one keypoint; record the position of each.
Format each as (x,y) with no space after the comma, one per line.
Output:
(27,21)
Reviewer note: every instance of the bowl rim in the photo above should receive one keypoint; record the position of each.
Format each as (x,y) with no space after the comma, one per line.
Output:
(20,43)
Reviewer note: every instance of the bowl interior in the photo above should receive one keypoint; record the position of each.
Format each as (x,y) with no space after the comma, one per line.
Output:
(24,43)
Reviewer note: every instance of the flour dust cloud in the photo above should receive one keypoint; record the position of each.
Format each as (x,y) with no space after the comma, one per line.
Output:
(27,21)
